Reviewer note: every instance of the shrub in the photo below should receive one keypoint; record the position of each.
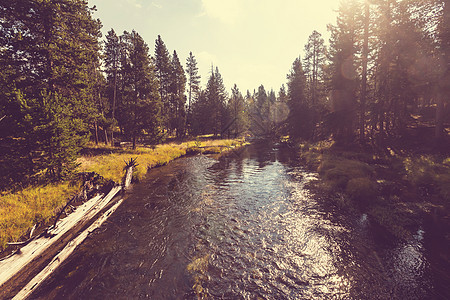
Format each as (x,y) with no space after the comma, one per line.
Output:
(362,189)
(339,171)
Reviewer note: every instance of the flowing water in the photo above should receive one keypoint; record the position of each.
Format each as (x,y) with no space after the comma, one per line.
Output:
(244,227)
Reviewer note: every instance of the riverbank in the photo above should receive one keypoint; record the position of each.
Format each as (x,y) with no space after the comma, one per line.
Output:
(24,211)
(397,189)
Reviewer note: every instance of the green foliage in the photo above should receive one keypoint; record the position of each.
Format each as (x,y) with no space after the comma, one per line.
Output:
(300,112)
(140,106)
(48,88)
(209,112)
(163,70)
(193,81)
(177,112)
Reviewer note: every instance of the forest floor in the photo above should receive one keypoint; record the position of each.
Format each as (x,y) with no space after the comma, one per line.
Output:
(35,207)
(398,185)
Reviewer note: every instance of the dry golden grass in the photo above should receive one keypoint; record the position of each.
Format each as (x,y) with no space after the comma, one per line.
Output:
(110,166)
(20,211)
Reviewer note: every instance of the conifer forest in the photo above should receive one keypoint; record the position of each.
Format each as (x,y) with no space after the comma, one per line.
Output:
(383,73)
(365,105)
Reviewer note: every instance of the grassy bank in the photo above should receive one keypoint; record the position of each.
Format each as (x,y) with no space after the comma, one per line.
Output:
(395,188)
(37,205)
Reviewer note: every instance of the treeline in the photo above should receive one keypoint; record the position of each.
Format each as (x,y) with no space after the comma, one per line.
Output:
(386,69)
(61,85)
(386,66)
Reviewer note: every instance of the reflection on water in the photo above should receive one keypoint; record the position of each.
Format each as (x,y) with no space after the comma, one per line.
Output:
(243,227)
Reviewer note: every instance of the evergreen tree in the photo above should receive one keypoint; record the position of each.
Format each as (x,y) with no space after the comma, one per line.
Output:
(193,81)
(299,119)
(48,86)
(141,102)
(343,45)
(163,71)
(281,109)
(216,97)
(315,55)
(112,53)
(201,115)
(177,98)
(238,123)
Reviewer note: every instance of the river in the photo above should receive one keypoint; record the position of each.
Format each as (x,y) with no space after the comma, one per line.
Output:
(246,226)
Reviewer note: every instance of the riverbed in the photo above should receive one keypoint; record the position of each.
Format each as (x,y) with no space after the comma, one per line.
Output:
(245,226)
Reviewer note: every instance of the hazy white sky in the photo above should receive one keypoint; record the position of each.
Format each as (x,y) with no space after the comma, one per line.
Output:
(253,42)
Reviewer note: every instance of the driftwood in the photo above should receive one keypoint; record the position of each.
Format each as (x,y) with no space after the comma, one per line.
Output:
(129,172)
(90,186)
(63,255)
(11,266)
(36,246)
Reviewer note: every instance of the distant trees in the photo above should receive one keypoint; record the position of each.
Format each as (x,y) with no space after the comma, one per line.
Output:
(314,61)
(238,123)
(162,62)
(215,97)
(384,69)
(177,89)
(300,112)
(386,66)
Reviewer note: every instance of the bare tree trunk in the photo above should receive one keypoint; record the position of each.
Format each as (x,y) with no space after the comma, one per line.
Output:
(96,132)
(106,137)
(114,106)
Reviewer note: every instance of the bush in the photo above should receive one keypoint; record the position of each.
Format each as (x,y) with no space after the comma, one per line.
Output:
(362,189)
(339,171)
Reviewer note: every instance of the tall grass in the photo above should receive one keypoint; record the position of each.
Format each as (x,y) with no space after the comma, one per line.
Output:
(110,166)
(21,210)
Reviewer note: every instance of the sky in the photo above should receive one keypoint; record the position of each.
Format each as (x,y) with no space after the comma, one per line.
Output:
(252,42)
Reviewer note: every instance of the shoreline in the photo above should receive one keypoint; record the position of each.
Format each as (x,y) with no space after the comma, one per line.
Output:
(15,279)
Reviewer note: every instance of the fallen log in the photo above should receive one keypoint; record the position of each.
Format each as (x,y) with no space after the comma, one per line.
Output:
(12,265)
(63,255)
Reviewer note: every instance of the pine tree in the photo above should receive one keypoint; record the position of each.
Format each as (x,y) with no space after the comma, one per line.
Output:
(238,123)
(215,94)
(163,70)
(50,81)
(201,120)
(281,109)
(112,53)
(193,81)
(343,48)
(315,55)
(177,98)
(141,102)
(299,119)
